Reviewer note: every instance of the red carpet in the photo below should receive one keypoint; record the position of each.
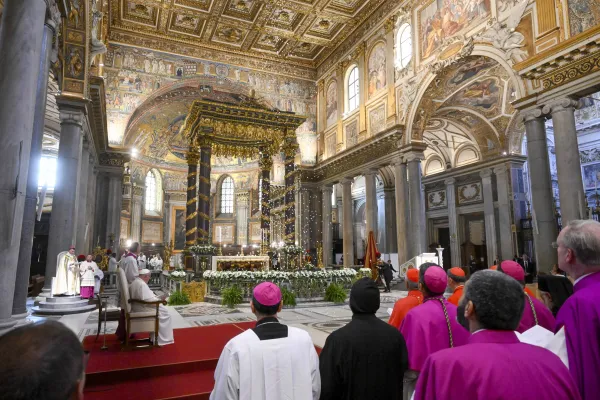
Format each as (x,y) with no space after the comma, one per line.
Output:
(183,370)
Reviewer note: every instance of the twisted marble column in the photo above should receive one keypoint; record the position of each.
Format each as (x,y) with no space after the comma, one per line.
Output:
(204,194)
(290,149)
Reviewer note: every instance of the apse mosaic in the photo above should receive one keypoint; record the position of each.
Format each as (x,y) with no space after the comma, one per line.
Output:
(441,19)
(132,75)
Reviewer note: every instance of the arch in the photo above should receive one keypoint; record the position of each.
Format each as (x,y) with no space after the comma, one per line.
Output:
(434,164)
(355,94)
(460,158)
(416,114)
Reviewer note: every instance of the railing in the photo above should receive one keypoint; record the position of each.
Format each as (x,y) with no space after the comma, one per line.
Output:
(109,282)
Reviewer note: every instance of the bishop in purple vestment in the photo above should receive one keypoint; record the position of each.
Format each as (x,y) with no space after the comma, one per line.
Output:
(493,362)
(579,256)
(431,326)
(535,312)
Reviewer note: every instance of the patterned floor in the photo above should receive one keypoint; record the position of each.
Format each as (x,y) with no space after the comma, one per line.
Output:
(318,318)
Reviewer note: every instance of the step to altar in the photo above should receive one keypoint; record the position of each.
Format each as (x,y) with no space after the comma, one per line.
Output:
(62,305)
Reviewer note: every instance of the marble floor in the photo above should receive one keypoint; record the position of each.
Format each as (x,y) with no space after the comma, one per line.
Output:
(319,319)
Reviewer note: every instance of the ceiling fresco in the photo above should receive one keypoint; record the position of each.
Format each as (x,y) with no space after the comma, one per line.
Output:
(300,32)
(474,96)
(134,75)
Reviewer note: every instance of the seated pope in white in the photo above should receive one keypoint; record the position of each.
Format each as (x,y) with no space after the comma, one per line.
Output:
(139,290)
(272,361)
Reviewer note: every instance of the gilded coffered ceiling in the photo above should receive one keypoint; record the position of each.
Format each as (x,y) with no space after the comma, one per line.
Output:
(301,33)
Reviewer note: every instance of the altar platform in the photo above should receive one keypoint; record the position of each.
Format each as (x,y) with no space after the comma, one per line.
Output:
(249,263)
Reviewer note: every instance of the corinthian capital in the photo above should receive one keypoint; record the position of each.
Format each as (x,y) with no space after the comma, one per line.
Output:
(564,104)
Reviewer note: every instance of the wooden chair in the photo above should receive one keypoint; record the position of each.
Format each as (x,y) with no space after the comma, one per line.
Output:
(140,321)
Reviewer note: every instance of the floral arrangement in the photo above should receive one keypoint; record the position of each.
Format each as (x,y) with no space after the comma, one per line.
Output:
(178,274)
(205,249)
(309,265)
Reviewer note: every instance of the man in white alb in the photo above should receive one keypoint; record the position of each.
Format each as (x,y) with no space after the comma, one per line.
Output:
(272,361)
(139,290)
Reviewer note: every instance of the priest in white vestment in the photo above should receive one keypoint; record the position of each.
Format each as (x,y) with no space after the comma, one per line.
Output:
(112,263)
(67,274)
(139,290)
(271,361)
(142,261)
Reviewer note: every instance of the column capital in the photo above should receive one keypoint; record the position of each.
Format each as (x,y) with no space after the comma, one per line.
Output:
(564,104)
(346,181)
(485,173)
(72,111)
(449,181)
(414,156)
(500,169)
(530,115)
(370,172)
(327,190)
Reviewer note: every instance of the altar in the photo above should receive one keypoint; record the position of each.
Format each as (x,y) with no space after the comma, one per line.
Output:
(249,263)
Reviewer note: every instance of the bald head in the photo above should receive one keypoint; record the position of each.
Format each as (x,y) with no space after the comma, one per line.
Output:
(579,248)
(42,361)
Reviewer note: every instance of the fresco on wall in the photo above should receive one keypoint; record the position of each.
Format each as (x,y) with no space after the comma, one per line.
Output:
(377,120)
(591,175)
(332,104)
(377,69)
(351,134)
(442,19)
(583,15)
(330,145)
(483,95)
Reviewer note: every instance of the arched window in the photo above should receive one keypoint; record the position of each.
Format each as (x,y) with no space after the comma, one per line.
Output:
(227,196)
(403,46)
(151,192)
(353,89)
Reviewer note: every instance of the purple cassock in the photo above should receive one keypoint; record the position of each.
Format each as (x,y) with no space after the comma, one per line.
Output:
(545,319)
(494,365)
(580,315)
(425,331)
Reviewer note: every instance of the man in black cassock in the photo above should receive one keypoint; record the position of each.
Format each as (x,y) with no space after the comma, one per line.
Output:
(367,358)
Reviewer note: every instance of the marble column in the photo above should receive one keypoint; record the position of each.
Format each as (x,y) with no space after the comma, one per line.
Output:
(81,227)
(327,230)
(137,209)
(417,205)
(347,213)
(402,212)
(91,204)
(242,203)
(489,215)
(371,202)
(305,230)
(115,198)
(63,221)
(505,220)
(101,216)
(453,222)
(290,148)
(191,211)
(568,164)
(389,236)
(545,230)
(19,309)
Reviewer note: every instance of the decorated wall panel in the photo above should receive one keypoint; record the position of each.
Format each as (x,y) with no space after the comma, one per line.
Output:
(583,15)
(469,193)
(376,69)
(152,232)
(351,131)
(331,108)
(436,199)
(377,120)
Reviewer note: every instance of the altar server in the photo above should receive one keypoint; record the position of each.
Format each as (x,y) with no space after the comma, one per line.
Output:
(494,364)
(272,361)
(535,312)
(367,358)
(139,290)
(412,299)
(87,270)
(456,283)
(579,256)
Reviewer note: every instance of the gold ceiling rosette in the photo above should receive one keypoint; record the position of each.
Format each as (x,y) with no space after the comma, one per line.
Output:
(239,130)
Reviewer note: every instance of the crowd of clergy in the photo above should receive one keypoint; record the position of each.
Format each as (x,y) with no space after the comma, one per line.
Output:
(490,339)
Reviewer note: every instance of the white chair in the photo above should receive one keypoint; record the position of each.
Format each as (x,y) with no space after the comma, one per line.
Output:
(145,321)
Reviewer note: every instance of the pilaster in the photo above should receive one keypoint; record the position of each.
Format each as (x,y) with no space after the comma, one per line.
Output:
(348,226)
(489,216)
(327,230)
(455,255)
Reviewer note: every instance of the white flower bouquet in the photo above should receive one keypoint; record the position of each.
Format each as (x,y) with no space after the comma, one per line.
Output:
(178,275)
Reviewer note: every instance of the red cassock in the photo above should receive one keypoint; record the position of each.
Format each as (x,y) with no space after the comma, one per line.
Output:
(403,306)
(455,298)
